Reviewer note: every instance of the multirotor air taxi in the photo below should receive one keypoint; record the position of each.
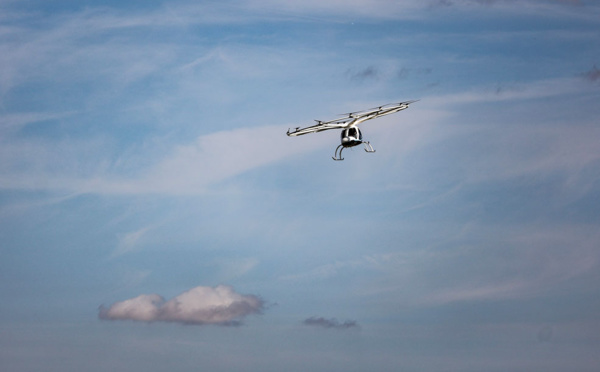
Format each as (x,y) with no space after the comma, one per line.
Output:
(351,135)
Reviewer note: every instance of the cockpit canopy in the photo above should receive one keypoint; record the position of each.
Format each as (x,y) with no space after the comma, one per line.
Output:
(351,137)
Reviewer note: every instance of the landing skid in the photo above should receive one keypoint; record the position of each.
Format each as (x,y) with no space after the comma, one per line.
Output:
(338,156)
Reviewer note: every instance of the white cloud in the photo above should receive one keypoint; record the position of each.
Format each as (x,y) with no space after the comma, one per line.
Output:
(535,150)
(200,305)
(515,139)
(190,168)
(143,308)
(387,9)
(493,264)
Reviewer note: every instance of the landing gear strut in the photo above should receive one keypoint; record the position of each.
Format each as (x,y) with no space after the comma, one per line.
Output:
(338,156)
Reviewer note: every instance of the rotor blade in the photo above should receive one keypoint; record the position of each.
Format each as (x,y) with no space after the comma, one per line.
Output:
(377,108)
(382,111)
(351,119)
(335,121)
(313,129)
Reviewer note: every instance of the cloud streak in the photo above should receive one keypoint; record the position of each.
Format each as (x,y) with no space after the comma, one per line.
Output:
(220,305)
(546,88)
(331,323)
(187,170)
(130,242)
(523,263)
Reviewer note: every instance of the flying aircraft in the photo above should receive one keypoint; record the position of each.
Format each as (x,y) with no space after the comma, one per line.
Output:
(351,135)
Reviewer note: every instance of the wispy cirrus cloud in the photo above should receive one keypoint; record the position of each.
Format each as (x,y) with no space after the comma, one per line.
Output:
(14,121)
(515,91)
(522,263)
(115,61)
(193,167)
(220,305)
(188,169)
(130,241)
(372,9)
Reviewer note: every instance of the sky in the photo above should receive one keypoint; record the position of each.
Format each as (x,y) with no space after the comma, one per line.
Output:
(155,216)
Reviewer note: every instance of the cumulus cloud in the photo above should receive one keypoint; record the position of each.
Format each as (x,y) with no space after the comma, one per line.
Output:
(200,305)
(329,323)
(143,308)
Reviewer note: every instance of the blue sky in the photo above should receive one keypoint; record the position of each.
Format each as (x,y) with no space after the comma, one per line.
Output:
(154,215)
